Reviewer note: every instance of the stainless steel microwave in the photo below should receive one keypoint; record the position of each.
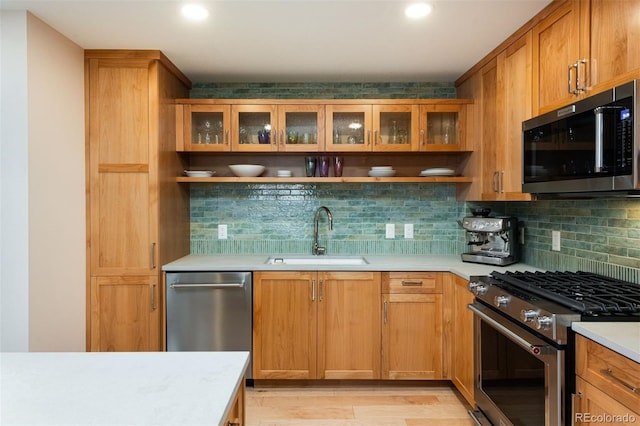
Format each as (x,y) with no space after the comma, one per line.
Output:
(588,148)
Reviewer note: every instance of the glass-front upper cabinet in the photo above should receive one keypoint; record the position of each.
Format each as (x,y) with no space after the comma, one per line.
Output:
(253,128)
(395,127)
(442,127)
(348,128)
(300,128)
(205,128)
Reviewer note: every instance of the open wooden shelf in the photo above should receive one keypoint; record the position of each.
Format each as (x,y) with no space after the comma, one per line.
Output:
(347,179)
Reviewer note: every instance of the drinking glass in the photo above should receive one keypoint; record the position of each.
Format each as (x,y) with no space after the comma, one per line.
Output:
(324,165)
(338,163)
(310,166)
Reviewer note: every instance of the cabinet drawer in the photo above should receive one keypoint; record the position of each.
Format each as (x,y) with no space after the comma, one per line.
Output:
(614,374)
(412,282)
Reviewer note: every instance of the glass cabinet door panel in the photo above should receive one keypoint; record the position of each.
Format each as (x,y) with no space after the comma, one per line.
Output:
(253,128)
(301,127)
(350,128)
(441,128)
(207,127)
(395,127)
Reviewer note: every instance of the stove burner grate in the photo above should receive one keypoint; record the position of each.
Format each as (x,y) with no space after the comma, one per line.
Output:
(587,293)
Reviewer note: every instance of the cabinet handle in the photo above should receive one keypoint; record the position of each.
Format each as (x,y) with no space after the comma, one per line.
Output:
(226,136)
(569,88)
(385,310)
(376,136)
(313,290)
(609,372)
(282,138)
(500,181)
(368,137)
(574,405)
(153,255)
(422,137)
(412,283)
(321,291)
(495,181)
(153,297)
(579,88)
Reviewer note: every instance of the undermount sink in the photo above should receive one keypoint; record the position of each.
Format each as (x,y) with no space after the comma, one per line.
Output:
(317,260)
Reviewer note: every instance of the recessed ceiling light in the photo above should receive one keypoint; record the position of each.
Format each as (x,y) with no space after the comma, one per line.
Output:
(195,12)
(417,10)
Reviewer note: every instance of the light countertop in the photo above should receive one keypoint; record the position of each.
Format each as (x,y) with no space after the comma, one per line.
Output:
(621,337)
(430,263)
(119,388)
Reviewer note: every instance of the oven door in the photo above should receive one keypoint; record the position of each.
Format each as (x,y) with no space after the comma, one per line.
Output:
(518,377)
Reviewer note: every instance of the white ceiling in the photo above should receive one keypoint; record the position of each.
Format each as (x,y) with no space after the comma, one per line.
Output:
(295,40)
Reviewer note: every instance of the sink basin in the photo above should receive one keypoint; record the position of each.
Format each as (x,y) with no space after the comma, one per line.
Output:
(317,260)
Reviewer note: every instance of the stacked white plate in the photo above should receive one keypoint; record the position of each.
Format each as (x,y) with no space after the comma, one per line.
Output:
(199,173)
(382,171)
(440,171)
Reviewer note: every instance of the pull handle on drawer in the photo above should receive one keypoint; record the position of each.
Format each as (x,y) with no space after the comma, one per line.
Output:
(609,373)
(411,283)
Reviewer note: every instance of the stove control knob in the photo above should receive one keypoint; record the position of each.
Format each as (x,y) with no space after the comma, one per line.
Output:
(472,286)
(544,322)
(501,301)
(480,289)
(528,315)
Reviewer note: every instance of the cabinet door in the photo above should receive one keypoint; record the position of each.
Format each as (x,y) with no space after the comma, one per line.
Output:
(513,107)
(556,44)
(613,31)
(442,127)
(490,137)
(395,127)
(121,169)
(349,325)
(207,128)
(253,128)
(592,405)
(124,314)
(462,358)
(284,325)
(301,128)
(348,128)
(412,336)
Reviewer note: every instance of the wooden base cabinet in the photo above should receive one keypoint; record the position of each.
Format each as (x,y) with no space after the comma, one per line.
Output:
(412,326)
(316,325)
(131,194)
(606,386)
(459,326)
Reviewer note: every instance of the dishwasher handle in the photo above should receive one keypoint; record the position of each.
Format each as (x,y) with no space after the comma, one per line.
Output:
(207,285)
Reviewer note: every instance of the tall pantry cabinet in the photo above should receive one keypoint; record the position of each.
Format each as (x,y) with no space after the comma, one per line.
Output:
(137,215)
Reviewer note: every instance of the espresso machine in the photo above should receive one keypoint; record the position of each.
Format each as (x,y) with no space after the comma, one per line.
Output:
(491,240)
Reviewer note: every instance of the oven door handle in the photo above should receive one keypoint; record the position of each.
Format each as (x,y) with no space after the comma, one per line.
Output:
(534,349)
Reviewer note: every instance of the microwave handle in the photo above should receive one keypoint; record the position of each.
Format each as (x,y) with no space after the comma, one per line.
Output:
(599,112)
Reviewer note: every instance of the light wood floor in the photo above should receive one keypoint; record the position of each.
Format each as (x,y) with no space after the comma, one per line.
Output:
(356,406)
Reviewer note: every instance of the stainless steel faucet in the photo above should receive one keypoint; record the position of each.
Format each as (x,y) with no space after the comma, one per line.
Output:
(317,250)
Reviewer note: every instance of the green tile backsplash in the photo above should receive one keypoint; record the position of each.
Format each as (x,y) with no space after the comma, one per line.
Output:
(420,90)
(600,235)
(278,218)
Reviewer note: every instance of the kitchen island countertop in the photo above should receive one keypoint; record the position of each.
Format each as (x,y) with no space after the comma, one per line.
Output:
(253,262)
(621,337)
(119,388)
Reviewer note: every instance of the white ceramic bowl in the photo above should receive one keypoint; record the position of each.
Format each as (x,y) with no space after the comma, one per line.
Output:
(246,170)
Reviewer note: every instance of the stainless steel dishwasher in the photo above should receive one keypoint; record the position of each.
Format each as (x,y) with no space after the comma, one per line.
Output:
(209,311)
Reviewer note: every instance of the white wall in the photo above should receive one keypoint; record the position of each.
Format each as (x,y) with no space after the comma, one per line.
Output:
(14,180)
(43,283)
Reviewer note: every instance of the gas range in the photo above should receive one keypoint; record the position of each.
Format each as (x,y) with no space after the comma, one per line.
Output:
(548,302)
